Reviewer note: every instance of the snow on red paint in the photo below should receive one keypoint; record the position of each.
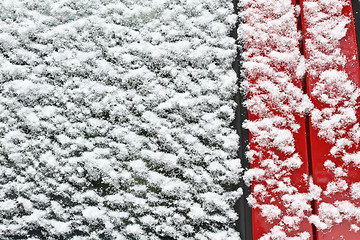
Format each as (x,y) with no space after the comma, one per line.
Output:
(333,81)
(276,105)
(281,188)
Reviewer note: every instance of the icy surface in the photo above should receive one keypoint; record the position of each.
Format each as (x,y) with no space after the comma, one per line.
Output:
(115,120)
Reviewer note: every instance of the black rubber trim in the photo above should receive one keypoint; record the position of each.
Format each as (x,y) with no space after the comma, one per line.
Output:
(356,11)
(243,209)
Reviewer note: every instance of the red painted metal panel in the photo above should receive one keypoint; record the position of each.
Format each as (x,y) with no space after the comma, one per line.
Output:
(315,50)
(257,51)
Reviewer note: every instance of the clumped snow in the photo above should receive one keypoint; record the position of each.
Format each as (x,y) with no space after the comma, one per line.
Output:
(336,119)
(274,100)
(276,104)
(115,119)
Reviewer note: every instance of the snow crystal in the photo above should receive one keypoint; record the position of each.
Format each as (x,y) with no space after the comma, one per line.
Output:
(196,212)
(354,228)
(355,190)
(271,212)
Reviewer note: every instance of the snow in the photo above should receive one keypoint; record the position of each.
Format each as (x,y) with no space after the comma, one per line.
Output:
(274,68)
(336,117)
(115,119)
(275,101)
